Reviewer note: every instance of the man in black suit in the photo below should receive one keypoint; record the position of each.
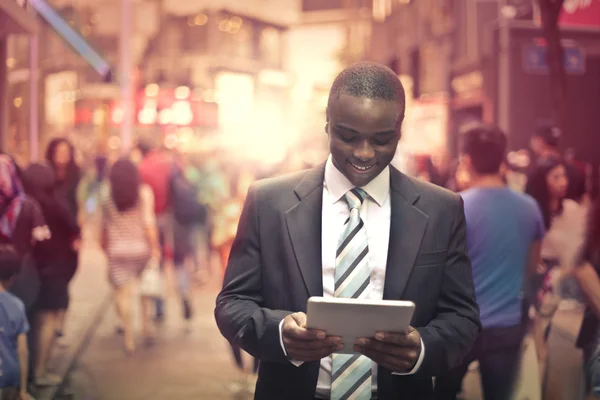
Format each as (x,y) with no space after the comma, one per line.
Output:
(352,227)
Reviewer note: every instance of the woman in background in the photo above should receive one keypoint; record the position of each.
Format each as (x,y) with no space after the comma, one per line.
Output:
(565,222)
(60,154)
(130,240)
(54,261)
(587,274)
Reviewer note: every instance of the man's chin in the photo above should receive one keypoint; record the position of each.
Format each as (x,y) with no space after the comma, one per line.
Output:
(360,179)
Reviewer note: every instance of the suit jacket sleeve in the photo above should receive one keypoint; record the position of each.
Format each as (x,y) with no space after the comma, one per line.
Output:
(239,313)
(451,334)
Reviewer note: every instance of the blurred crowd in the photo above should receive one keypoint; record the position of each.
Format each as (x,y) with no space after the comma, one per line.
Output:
(160,210)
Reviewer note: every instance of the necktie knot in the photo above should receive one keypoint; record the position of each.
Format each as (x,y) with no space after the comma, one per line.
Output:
(355,198)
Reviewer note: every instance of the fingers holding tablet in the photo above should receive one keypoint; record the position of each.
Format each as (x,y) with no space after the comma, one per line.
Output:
(398,352)
(304,344)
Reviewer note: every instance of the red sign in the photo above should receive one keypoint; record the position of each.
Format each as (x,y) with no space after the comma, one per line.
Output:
(581,13)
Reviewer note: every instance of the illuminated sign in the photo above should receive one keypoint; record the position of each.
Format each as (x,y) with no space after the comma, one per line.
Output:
(177,106)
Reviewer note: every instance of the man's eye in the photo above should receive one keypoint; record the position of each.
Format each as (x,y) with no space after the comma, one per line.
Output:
(347,138)
(382,142)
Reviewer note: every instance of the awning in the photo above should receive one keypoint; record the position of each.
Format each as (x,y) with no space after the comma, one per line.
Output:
(14,19)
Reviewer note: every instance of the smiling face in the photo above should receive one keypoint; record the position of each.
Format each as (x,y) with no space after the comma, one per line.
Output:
(363,136)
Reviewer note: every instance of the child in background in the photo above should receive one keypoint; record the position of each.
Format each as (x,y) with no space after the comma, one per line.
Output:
(13,331)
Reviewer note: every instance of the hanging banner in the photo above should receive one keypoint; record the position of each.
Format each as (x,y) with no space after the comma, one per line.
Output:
(581,13)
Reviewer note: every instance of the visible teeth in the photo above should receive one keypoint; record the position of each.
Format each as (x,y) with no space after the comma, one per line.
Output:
(362,168)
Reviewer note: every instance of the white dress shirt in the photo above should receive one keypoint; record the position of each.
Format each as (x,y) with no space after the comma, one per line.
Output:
(375,213)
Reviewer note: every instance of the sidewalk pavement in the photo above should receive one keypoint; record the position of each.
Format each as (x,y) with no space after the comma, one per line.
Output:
(89,299)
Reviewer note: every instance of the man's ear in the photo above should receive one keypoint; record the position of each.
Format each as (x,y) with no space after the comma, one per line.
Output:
(327,121)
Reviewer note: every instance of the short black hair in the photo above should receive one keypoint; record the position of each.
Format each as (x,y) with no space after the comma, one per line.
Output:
(145,146)
(549,134)
(486,146)
(371,80)
(10,262)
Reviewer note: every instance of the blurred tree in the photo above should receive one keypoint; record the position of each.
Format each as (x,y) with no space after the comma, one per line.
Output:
(550,13)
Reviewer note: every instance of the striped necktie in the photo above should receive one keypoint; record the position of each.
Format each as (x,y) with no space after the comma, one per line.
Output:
(351,373)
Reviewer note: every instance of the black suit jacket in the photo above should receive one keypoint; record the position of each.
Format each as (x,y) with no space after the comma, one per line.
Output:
(275,266)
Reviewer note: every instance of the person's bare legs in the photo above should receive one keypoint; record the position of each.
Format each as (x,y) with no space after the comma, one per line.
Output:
(123,301)
(61,316)
(46,334)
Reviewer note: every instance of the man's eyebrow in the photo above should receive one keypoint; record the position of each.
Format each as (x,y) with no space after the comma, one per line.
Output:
(345,128)
(385,133)
(382,133)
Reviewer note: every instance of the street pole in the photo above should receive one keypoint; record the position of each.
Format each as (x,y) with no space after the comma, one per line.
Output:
(125,77)
(34,123)
(503,69)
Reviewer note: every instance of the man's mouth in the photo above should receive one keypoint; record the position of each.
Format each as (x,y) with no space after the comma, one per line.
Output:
(362,168)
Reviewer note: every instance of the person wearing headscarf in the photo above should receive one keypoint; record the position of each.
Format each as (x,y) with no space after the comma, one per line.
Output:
(22,225)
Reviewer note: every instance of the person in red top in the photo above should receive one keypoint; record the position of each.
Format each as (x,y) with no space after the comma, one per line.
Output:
(155,171)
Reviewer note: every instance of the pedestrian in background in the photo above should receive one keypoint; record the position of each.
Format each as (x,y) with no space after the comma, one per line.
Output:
(60,154)
(155,170)
(587,274)
(565,223)
(54,261)
(22,225)
(504,233)
(129,239)
(14,328)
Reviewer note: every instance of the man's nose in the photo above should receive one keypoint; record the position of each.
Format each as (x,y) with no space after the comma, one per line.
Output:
(364,151)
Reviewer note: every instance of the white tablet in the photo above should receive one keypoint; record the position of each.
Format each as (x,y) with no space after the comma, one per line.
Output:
(353,318)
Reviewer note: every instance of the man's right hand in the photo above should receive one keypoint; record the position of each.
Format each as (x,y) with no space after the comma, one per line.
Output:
(304,344)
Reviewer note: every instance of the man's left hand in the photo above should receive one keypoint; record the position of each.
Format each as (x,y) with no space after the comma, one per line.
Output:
(398,352)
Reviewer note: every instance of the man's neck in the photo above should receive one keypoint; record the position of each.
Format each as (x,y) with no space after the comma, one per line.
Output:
(3,286)
(487,181)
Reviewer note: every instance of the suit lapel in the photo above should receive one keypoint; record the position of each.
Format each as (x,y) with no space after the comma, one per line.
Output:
(304,227)
(407,227)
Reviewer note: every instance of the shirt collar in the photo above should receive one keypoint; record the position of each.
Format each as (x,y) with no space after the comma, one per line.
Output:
(338,185)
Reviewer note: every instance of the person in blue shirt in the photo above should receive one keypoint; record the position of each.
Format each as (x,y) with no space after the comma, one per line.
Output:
(504,233)
(14,327)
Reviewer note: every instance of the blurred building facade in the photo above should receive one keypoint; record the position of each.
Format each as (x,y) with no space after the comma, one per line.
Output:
(449,52)
(250,75)
(17,22)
